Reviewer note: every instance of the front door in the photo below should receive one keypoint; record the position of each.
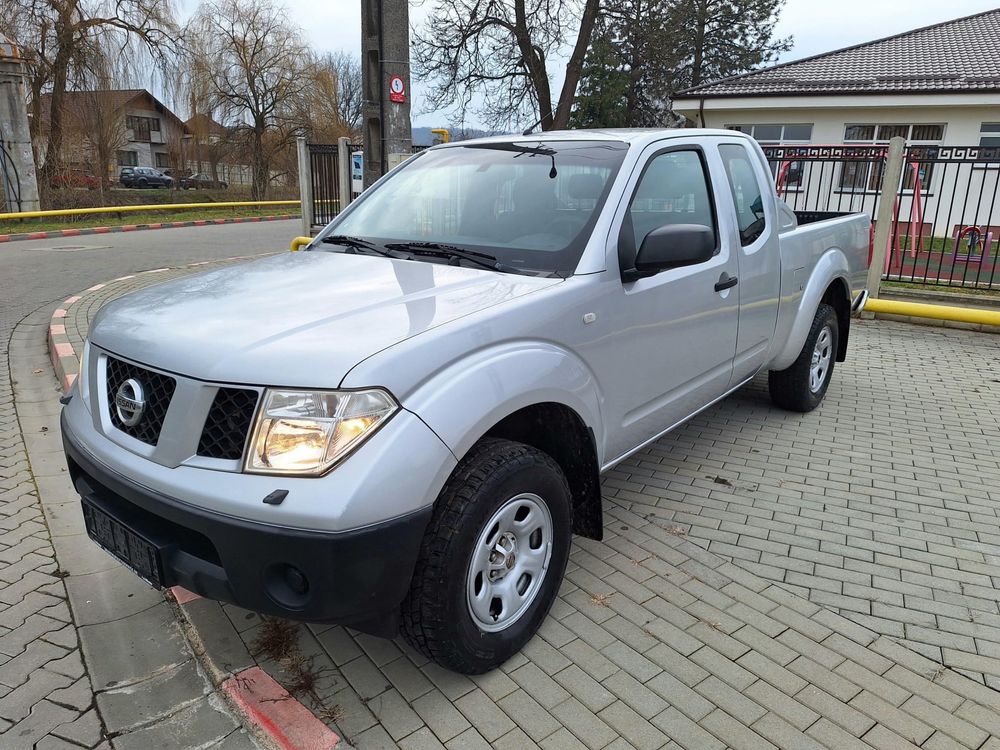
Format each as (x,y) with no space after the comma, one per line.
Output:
(677,331)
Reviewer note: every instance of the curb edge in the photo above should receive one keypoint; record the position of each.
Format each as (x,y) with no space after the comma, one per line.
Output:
(263,706)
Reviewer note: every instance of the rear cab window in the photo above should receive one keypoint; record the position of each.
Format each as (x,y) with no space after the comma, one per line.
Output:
(747,193)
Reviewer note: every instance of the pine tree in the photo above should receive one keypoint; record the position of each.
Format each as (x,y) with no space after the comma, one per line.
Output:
(643,51)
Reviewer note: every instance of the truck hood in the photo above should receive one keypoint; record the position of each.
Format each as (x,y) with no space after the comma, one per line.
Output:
(297,319)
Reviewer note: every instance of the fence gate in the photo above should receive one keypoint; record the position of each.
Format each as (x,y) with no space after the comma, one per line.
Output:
(946,230)
(325,180)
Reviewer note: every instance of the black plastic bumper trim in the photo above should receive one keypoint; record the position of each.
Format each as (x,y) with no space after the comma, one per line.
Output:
(354,578)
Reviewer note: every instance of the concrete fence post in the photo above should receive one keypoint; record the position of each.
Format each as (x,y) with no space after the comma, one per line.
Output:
(305,185)
(885,214)
(344,173)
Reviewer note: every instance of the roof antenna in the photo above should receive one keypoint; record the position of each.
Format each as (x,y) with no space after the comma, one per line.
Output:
(537,123)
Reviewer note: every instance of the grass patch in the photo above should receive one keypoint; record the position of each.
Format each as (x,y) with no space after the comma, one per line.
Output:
(954,289)
(140,217)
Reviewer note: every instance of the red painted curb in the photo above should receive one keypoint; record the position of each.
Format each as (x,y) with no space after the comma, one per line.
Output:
(182,595)
(270,707)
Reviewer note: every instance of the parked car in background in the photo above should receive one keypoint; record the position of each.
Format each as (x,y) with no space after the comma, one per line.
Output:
(144,177)
(203,182)
(402,428)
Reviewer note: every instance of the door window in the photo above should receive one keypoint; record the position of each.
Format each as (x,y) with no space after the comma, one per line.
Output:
(672,190)
(746,192)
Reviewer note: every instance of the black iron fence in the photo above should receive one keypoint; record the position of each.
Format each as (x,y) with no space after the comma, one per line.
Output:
(946,229)
(946,217)
(325,180)
(828,178)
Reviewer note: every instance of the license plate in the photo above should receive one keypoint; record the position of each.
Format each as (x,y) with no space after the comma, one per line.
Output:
(130,548)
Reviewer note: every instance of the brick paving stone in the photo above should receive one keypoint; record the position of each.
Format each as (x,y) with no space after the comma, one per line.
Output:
(46,697)
(762,624)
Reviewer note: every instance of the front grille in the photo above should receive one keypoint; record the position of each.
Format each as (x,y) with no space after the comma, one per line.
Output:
(227,424)
(157,390)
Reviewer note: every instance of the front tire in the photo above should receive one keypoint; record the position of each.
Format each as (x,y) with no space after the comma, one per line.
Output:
(492,557)
(802,386)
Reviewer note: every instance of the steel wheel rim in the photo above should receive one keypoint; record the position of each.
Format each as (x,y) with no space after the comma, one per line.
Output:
(822,356)
(509,562)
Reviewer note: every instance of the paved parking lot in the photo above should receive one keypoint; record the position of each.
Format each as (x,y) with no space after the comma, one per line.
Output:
(48,683)
(766,579)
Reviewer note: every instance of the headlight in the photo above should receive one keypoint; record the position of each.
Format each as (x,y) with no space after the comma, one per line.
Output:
(307,432)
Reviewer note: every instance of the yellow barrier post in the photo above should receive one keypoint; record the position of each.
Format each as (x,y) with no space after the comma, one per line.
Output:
(136,209)
(934,312)
(298,242)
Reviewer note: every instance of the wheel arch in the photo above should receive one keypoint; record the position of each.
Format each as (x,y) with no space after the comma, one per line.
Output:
(838,296)
(561,433)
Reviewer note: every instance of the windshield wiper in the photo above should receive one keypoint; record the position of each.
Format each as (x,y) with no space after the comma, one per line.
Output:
(520,149)
(441,250)
(357,243)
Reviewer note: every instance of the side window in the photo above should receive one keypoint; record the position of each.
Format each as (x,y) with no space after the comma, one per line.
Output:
(672,190)
(746,192)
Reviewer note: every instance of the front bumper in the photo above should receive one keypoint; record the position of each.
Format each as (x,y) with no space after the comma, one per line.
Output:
(356,577)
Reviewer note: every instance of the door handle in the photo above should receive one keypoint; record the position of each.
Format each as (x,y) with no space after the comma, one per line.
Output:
(726,282)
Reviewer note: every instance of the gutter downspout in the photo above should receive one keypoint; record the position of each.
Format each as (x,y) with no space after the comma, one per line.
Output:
(701,111)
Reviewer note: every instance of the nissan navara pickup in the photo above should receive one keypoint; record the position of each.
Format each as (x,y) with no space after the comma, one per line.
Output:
(400,428)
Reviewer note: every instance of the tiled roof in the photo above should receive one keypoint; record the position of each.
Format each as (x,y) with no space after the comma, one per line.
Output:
(114,99)
(959,55)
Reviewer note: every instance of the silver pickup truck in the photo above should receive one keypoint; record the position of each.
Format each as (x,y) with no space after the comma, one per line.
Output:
(401,428)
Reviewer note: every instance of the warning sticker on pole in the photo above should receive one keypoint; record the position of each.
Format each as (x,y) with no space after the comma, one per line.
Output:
(397,90)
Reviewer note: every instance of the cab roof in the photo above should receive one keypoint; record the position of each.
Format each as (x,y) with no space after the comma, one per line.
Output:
(629,136)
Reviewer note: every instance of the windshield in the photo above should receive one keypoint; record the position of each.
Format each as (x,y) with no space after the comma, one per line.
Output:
(530,204)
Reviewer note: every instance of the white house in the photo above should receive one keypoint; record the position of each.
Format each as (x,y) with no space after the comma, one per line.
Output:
(935,85)
(938,87)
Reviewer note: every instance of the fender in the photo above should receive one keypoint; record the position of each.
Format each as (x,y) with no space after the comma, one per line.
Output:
(794,324)
(463,400)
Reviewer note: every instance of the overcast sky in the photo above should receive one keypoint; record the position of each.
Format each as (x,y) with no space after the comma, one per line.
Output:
(817,26)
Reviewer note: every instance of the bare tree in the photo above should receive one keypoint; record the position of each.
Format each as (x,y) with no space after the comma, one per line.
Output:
(251,60)
(498,51)
(347,69)
(61,34)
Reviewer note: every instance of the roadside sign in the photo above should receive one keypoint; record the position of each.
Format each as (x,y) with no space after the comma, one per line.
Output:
(397,90)
(357,172)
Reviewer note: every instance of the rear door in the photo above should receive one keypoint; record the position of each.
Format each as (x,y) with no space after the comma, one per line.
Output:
(755,239)
(676,339)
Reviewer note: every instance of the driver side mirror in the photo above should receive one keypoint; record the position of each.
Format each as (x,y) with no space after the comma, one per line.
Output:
(673,246)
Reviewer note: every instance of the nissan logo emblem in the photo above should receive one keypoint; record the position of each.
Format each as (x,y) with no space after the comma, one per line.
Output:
(130,402)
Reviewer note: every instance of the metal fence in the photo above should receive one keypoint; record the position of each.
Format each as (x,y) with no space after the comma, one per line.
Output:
(946,219)
(947,222)
(325,180)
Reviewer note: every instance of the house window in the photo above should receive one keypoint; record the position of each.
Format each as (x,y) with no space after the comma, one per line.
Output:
(128,159)
(776,135)
(989,140)
(142,127)
(865,175)
(162,159)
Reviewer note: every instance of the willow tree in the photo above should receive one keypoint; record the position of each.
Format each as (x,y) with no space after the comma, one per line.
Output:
(249,59)
(62,35)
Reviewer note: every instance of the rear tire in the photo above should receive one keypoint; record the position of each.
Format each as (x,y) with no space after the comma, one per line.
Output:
(492,557)
(802,386)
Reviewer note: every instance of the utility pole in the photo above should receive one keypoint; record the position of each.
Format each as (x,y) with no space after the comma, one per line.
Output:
(385,35)
(18,187)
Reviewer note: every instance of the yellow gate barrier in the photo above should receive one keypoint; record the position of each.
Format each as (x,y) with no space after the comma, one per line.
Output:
(936,312)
